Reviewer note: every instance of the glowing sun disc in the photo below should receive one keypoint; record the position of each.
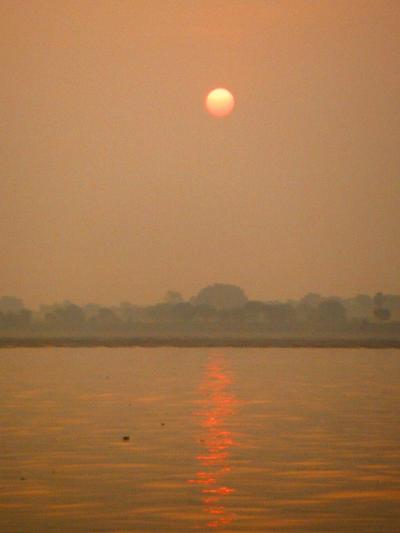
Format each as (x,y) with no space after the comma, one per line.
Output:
(220,102)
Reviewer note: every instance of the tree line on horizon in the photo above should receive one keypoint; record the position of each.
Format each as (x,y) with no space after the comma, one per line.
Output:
(216,308)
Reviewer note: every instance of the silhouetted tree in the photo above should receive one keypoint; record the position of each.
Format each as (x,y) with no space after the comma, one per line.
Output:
(105,320)
(204,313)
(255,311)
(182,311)
(164,312)
(66,316)
(306,313)
(173,298)
(221,296)
(312,299)
(128,312)
(331,312)
(158,312)
(280,314)
(360,306)
(10,304)
(90,310)
(382,313)
(378,300)
(20,320)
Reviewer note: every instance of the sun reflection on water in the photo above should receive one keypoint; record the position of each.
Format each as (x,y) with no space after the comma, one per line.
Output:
(218,405)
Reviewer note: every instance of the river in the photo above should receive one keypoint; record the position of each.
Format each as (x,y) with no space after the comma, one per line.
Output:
(197,439)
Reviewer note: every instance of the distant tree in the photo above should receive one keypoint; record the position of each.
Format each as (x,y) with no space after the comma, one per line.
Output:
(360,306)
(173,297)
(221,296)
(66,316)
(306,313)
(127,312)
(10,304)
(204,313)
(255,310)
(24,318)
(379,300)
(382,313)
(90,310)
(158,312)
(331,312)
(19,320)
(280,315)
(105,320)
(363,300)
(311,299)
(392,300)
(182,311)
(273,313)
(164,312)
(307,308)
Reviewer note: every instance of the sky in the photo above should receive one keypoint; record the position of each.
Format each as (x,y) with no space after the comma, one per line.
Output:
(116,185)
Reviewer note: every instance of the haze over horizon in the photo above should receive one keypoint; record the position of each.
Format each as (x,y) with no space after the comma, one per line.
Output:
(115,183)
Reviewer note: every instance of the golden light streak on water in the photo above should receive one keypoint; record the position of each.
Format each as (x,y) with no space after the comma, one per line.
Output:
(217,406)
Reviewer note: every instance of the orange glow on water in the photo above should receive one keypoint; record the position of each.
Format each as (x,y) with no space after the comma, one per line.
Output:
(217,406)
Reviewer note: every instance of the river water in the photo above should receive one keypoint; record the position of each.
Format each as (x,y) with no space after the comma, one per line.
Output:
(282,440)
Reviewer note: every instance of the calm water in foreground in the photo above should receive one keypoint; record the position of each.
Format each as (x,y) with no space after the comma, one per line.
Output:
(298,440)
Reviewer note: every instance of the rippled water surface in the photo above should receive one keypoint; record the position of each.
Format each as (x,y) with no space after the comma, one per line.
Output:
(243,440)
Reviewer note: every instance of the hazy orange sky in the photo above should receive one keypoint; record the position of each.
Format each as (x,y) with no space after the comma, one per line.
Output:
(117,185)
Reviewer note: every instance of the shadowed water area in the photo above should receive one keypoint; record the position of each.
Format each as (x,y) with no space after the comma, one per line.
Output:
(302,440)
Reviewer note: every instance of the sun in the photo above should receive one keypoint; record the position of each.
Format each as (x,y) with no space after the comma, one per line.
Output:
(220,102)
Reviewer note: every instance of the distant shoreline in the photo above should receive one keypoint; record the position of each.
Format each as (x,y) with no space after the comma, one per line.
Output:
(195,342)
